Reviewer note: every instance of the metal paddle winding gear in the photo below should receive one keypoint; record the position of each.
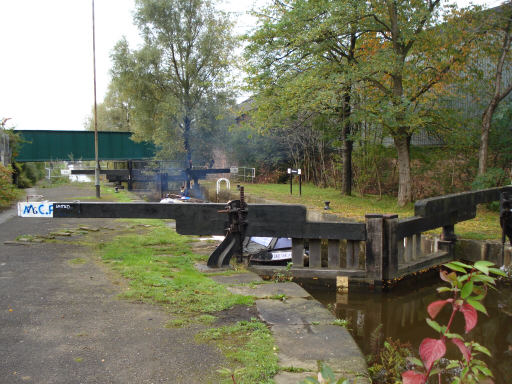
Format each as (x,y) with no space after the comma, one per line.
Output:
(235,233)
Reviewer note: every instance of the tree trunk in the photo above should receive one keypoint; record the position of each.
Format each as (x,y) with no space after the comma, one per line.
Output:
(497,97)
(346,180)
(402,144)
(484,138)
(347,144)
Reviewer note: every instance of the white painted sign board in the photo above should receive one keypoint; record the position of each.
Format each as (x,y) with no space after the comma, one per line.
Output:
(35,209)
(281,255)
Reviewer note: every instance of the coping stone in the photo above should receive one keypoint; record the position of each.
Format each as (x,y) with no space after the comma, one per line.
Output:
(289,290)
(304,346)
(237,279)
(293,377)
(295,311)
(299,377)
(203,268)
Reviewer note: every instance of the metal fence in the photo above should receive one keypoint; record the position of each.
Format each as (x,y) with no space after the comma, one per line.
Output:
(242,174)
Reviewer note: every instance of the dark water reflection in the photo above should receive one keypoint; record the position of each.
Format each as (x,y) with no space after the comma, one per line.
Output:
(400,314)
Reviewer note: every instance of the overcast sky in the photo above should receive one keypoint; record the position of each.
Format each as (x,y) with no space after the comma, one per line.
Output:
(46,62)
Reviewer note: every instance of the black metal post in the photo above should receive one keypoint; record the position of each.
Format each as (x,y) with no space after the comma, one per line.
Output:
(130,175)
(505,218)
(300,185)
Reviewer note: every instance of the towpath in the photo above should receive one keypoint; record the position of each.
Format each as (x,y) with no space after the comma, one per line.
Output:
(63,323)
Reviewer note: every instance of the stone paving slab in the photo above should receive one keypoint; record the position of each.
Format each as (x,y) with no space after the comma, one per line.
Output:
(303,346)
(297,311)
(237,279)
(201,267)
(292,378)
(261,291)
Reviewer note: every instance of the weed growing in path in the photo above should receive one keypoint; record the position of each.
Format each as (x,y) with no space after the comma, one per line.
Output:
(248,346)
(160,267)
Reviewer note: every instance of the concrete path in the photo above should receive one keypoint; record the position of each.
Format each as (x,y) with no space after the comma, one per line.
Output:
(62,322)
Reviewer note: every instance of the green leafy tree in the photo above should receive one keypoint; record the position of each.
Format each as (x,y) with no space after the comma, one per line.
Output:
(411,50)
(381,62)
(183,62)
(300,63)
(113,114)
(495,48)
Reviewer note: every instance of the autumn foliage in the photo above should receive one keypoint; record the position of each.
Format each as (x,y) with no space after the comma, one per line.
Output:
(7,190)
(467,290)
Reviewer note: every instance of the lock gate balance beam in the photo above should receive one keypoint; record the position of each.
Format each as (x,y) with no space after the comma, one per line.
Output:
(202,219)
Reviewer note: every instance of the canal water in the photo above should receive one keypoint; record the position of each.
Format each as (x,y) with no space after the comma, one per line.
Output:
(401,313)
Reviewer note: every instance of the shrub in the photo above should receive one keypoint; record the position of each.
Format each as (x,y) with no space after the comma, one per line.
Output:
(494,177)
(7,190)
(466,292)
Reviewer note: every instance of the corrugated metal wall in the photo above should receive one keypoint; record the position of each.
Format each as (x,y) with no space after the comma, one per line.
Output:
(79,145)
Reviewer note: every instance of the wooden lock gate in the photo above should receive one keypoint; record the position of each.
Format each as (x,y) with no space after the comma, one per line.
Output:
(380,250)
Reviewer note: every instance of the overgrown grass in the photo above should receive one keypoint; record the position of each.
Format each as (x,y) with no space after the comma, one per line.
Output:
(248,346)
(484,226)
(160,268)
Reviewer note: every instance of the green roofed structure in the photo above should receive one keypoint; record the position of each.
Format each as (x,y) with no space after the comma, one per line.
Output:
(48,145)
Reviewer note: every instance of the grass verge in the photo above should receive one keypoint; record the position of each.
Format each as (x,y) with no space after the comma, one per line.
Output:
(248,345)
(159,267)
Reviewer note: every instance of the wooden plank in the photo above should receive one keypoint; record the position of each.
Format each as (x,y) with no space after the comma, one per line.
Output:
(349,255)
(464,204)
(356,245)
(429,261)
(417,246)
(270,220)
(315,253)
(341,230)
(417,224)
(307,273)
(333,254)
(390,263)
(408,249)
(400,251)
(352,255)
(298,252)
(374,246)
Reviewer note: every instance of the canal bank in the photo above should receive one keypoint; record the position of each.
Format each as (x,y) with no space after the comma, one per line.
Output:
(306,333)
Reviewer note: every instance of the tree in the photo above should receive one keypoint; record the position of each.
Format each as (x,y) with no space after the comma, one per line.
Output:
(113,114)
(409,53)
(381,62)
(496,46)
(183,62)
(300,66)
